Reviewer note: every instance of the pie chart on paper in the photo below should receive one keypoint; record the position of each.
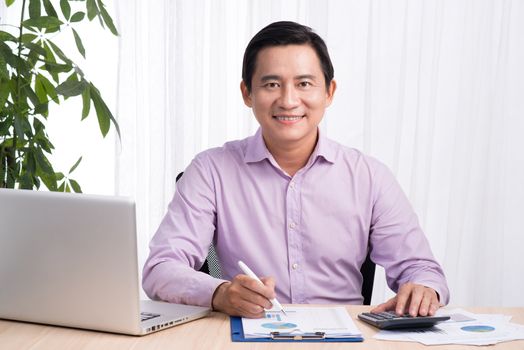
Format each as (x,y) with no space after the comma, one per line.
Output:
(478,329)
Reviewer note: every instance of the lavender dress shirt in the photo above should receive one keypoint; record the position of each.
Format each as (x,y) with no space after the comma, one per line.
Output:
(310,231)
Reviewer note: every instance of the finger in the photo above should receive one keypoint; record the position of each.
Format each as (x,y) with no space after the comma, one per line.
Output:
(388,305)
(244,302)
(433,307)
(417,294)
(249,289)
(269,282)
(425,304)
(249,310)
(403,296)
(268,292)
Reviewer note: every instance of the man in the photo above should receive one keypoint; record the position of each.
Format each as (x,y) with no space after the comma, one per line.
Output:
(290,203)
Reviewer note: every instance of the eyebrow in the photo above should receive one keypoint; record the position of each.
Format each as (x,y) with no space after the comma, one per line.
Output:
(270,77)
(278,77)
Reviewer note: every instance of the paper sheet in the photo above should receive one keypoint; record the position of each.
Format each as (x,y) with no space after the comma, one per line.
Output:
(464,328)
(334,321)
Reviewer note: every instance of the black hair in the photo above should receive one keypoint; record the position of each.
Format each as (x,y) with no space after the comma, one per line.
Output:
(280,34)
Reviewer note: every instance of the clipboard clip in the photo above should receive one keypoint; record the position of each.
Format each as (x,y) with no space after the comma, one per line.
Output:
(294,336)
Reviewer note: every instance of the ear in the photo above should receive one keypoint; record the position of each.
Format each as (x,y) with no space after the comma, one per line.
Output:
(246,95)
(331,92)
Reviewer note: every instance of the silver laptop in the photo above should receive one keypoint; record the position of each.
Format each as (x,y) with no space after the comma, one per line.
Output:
(71,260)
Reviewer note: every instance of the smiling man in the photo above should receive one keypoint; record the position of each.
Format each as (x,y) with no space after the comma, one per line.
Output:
(292,204)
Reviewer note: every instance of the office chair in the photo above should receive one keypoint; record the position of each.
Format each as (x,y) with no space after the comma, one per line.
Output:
(211,266)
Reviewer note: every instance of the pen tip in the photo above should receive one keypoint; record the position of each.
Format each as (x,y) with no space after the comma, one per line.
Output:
(284,312)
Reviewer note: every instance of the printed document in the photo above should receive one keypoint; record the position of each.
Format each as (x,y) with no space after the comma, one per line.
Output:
(463,328)
(334,322)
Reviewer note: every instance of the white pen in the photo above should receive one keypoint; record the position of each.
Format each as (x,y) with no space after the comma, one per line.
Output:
(251,274)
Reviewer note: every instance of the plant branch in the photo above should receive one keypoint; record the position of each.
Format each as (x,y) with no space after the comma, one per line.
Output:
(12,160)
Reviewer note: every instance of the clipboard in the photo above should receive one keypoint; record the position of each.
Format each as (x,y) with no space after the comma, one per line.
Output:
(237,335)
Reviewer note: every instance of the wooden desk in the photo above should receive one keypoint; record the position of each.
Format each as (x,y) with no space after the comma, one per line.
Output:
(209,333)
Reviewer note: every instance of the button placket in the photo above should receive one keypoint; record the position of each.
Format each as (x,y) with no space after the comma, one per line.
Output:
(295,246)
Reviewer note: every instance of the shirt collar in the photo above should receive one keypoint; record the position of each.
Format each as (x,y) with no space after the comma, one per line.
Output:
(256,149)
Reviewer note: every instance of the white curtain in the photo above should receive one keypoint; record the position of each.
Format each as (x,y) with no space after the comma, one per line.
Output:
(435,89)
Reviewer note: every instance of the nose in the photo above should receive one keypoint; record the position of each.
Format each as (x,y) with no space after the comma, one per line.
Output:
(289,97)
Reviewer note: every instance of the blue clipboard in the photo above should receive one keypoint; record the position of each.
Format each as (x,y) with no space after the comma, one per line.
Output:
(237,335)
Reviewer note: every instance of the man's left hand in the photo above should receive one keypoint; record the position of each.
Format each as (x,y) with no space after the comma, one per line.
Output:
(412,298)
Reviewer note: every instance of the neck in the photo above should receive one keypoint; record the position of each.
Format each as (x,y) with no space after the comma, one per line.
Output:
(293,156)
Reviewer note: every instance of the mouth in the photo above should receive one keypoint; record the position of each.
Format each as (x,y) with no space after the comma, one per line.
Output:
(288,119)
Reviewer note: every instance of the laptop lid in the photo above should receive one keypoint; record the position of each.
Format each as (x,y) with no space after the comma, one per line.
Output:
(70,260)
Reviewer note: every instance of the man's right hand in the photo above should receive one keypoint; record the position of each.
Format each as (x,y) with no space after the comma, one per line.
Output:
(244,296)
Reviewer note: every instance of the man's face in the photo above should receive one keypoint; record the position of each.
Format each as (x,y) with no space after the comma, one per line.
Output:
(288,95)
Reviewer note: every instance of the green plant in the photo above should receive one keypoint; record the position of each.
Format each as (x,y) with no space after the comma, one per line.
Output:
(34,72)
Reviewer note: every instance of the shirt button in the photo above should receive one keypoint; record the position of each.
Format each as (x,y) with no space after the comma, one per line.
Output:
(292,185)
(295,266)
(292,225)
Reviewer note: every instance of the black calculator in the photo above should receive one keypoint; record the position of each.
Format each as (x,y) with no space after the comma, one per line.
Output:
(390,320)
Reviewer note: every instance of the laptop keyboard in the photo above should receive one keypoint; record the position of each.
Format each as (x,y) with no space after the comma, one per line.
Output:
(144,316)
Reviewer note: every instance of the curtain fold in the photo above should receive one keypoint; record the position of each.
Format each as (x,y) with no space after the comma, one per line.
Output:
(434,89)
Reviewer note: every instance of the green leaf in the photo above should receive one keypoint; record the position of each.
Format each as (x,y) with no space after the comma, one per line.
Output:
(36,49)
(4,73)
(43,22)
(76,165)
(45,170)
(19,129)
(32,95)
(31,161)
(50,58)
(79,44)
(86,103)
(102,112)
(75,186)
(50,9)
(66,8)
(36,181)
(59,176)
(38,126)
(62,187)
(42,141)
(92,9)
(35,8)
(77,17)
(4,93)
(71,88)
(59,53)
(28,37)
(5,125)
(107,19)
(8,54)
(52,30)
(39,89)
(57,67)
(43,162)
(9,2)
(49,88)
(5,36)
(42,108)
(26,181)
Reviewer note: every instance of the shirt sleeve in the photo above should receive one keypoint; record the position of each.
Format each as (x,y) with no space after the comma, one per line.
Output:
(180,245)
(397,241)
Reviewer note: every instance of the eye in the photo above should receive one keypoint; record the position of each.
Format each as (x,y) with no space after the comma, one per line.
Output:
(271,85)
(305,84)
